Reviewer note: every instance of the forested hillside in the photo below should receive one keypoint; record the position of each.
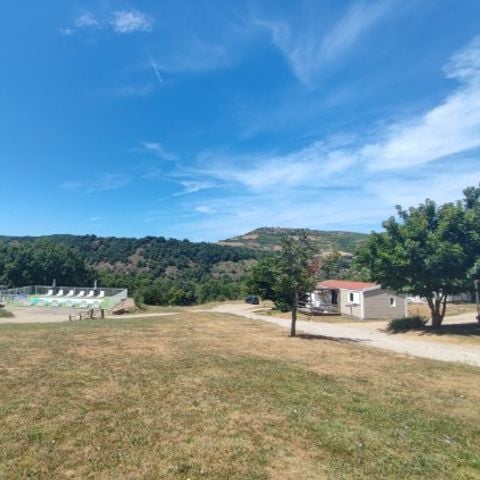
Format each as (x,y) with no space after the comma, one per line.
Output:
(156,270)
(155,255)
(269,239)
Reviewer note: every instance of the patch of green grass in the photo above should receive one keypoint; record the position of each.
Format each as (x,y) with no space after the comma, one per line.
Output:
(6,313)
(211,396)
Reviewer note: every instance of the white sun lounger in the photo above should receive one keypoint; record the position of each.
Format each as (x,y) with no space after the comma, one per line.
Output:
(49,293)
(59,294)
(101,294)
(70,293)
(91,293)
(81,294)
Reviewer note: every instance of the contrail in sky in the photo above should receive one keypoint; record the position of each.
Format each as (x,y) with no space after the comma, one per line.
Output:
(155,68)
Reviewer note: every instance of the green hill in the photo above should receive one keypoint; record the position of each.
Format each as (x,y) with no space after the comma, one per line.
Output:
(153,255)
(156,270)
(269,239)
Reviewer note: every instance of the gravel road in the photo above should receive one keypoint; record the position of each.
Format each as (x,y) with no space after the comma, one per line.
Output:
(369,334)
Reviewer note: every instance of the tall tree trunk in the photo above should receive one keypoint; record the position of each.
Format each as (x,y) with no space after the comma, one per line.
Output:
(293,329)
(438,306)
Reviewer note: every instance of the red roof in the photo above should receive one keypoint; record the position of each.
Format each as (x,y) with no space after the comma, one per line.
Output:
(347,285)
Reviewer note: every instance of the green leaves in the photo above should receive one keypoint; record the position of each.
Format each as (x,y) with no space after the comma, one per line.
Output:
(431,250)
(277,277)
(40,262)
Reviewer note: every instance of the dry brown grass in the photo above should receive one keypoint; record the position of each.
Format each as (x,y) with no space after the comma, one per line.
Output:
(453,308)
(309,318)
(201,395)
(456,334)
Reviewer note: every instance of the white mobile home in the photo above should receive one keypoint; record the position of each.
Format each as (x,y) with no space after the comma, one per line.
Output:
(362,300)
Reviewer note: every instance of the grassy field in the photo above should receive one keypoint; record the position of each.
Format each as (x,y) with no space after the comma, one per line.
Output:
(454,308)
(308,318)
(199,395)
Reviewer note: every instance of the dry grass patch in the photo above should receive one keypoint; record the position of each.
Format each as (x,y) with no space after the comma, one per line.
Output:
(308,318)
(453,308)
(459,334)
(202,395)
(121,345)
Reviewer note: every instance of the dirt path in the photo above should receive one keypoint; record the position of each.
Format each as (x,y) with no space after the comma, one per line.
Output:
(142,315)
(369,334)
(51,315)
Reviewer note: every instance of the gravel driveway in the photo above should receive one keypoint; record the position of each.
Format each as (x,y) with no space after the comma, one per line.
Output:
(367,334)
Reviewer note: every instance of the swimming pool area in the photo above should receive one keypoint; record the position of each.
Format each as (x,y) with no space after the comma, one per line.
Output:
(63,297)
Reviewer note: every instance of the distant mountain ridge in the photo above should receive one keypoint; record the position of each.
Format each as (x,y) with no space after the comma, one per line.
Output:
(266,239)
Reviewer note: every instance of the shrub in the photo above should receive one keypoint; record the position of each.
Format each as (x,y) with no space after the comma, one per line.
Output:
(6,313)
(405,324)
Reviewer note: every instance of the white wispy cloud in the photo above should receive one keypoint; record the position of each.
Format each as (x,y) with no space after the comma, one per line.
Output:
(358,19)
(204,209)
(452,127)
(157,149)
(192,186)
(243,213)
(316,161)
(86,20)
(465,64)
(307,46)
(445,185)
(118,21)
(129,21)
(103,182)
(352,180)
(361,207)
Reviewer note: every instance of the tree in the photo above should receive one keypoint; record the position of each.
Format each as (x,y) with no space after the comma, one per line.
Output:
(262,279)
(40,262)
(297,277)
(431,251)
(286,278)
(333,265)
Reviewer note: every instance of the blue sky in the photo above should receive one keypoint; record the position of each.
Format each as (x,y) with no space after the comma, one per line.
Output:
(206,119)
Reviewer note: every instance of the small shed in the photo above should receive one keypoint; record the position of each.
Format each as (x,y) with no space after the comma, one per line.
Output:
(363,300)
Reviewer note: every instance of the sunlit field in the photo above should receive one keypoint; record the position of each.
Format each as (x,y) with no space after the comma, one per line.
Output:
(201,395)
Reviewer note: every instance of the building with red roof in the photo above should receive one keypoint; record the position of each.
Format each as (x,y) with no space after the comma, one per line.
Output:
(363,300)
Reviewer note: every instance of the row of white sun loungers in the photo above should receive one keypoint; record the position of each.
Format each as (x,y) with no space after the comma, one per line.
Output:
(71,294)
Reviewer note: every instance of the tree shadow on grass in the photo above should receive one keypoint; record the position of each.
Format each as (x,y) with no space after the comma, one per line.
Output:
(308,336)
(463,329)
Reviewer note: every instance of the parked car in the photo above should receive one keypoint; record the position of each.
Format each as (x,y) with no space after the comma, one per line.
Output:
(252,299)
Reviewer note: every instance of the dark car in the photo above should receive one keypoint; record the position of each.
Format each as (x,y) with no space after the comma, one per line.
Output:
(252,299)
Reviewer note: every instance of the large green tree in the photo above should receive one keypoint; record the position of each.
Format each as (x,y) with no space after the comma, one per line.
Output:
(38,263)
(430,250)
